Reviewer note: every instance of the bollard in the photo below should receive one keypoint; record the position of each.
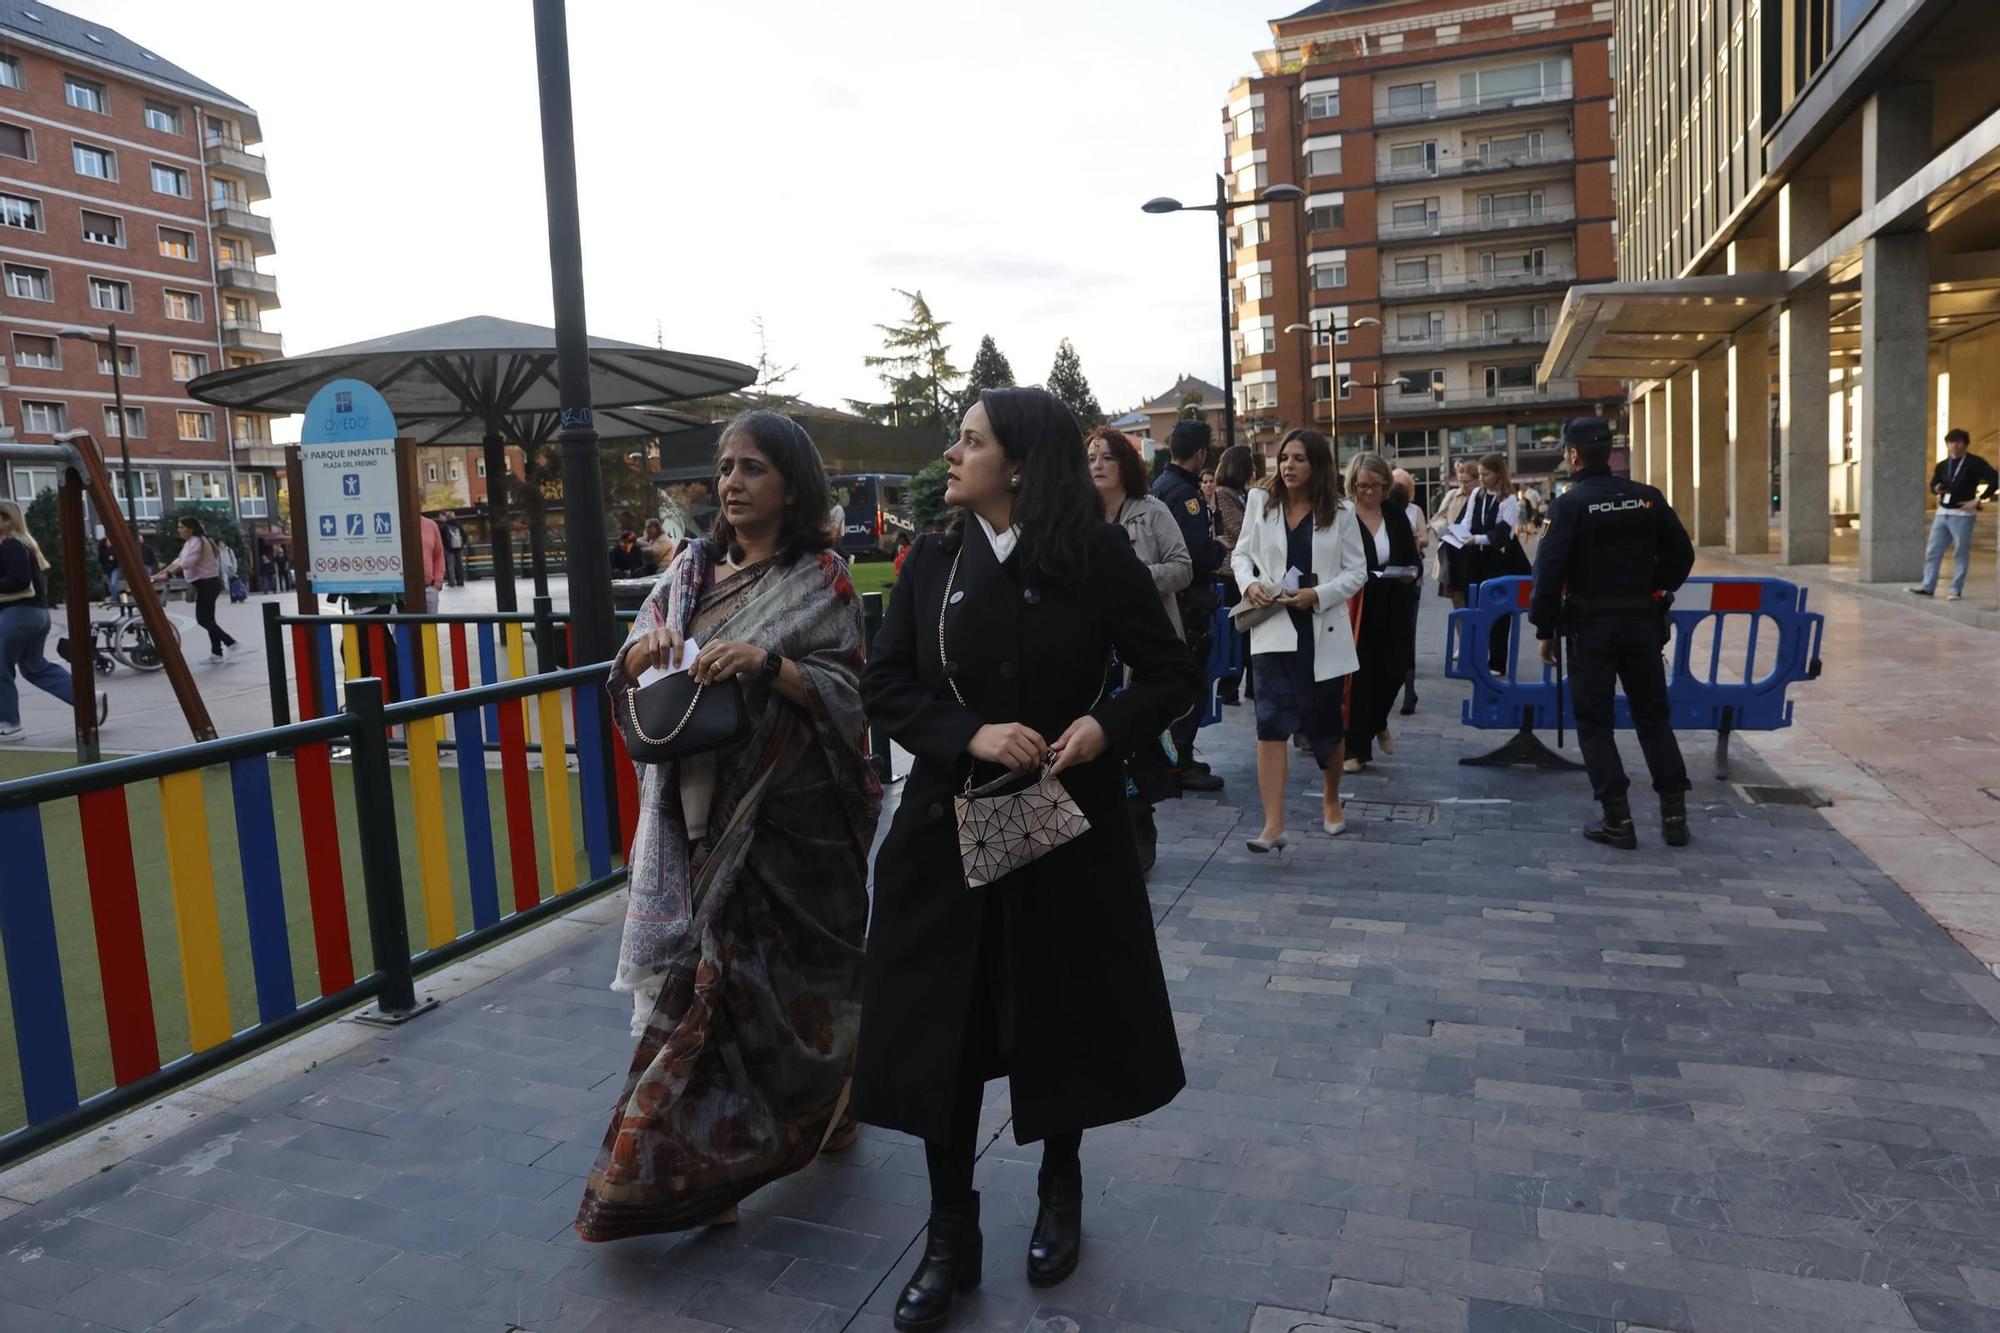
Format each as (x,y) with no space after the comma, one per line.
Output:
(878,738)
(381,862)
(545,637)
(274,665)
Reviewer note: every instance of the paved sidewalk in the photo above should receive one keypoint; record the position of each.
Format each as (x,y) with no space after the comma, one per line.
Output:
(1458,1072)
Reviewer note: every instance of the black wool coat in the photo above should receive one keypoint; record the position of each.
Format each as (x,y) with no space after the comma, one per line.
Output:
(1074,992)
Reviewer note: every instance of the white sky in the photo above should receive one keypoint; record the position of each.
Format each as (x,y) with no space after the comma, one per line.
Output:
(788,159)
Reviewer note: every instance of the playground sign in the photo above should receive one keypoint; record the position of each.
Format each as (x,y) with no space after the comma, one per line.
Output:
(347,458)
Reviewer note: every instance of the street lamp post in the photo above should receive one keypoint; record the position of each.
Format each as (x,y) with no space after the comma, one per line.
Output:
(1366,321)
(1222,208)
(118,401)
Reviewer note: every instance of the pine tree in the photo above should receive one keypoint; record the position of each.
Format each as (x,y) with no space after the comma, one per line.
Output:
(989,371)
(916,369)
(1067,383)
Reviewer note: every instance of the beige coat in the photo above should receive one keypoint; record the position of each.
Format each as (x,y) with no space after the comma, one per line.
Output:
(1339,564)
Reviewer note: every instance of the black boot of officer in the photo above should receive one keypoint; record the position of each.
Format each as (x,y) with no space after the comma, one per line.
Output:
(1611,557)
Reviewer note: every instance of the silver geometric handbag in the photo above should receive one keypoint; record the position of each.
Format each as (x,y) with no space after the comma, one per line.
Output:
(999,831)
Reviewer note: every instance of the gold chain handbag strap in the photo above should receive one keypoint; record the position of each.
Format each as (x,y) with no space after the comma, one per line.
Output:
(632,709)
(944,662)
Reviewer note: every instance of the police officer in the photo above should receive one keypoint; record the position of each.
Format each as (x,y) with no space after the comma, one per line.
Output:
(1179,488)
(1611,558)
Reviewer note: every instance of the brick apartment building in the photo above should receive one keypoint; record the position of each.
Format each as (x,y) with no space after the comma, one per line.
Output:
(126,193)
(1459,175)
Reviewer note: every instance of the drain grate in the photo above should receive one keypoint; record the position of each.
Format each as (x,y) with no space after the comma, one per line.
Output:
(1393,812)
(1809,797)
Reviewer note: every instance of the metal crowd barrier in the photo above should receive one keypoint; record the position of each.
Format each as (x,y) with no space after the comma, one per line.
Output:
(1705,692)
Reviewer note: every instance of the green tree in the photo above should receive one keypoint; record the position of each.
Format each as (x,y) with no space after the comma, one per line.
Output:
(928,511)
(1067,383)
(989,371)
(45,525)
(916,368)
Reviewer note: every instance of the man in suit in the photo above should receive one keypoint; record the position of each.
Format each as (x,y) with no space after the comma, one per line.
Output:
(1179,488)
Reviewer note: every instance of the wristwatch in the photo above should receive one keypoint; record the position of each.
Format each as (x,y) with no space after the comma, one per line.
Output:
(773,664)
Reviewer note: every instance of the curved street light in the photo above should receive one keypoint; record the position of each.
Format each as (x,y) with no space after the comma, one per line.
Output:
(1223,207)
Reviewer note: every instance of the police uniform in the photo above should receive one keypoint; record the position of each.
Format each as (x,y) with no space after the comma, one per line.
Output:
(1180,491)
(1612,554)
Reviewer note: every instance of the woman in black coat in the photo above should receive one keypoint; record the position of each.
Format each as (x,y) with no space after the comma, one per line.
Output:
(1383,639)
(1050,975)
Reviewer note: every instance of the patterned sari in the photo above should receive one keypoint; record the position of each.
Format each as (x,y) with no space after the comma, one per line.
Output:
(750,936)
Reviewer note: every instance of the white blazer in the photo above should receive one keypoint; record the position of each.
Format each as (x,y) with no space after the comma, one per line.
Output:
(1337,561)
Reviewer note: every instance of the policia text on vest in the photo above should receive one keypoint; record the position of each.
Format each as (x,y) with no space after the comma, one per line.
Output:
(1610,560)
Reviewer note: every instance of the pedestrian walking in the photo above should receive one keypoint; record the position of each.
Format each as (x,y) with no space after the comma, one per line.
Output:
(1232,480)
(200,563)
(1605,575)
(1301,553)
(1962,481)
(454,552)
(1119,476)
(1385,632)
(1450,560)
(1422,532)
(1487,535)
(749,903)
(282,559)
(230,570)
(24,623)
(991,661)
(267,573)
(1179,488)
(434,562)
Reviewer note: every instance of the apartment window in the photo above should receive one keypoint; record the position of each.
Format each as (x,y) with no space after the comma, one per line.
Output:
(1505,263)
(1252,178)
(147,504)
(30,482)
(1515,319)
(451,469)
(1510,207)
(1512,148)
(177,244)
(165,119)
(1329,274)
(1323,387)
(90,160)
(1531,82)
(480,465)
(250,498)
(1322,105)
(16,211)
(1259,395)
(238,362)
(10,73)
(29,284)
(196,426)
(1412,158)
(1259,336)
(1343,385)
(1257,231)
(1420,327)
(170,180)
(1413,213)
(110,294)
(44,418)
(196,487)
(85,95)
(1249,121)
(1257,287)
(135,422)
(34,352)
(15,141)
(183,305)
(128,360)
(228,250)
(224,193)
(103,228)
(1509,379)
(430,472)
(1323,161)
(1413,99)
(1412,272)
(1421,383)
(239,311)
(188,365)
(1327,217)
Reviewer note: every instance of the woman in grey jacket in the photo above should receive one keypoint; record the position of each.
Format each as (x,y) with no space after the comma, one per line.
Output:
(1120,478)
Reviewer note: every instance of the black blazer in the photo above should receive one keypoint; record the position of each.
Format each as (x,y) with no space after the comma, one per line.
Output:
(1083,1000)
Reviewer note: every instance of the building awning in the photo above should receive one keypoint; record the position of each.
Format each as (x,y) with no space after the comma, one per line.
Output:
(1649,330)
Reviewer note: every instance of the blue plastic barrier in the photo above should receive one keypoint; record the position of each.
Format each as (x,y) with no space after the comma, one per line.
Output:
(1228,657)
(1702,696)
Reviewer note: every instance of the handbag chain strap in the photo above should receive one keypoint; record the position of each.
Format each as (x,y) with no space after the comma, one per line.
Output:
(944,663)
(632,708)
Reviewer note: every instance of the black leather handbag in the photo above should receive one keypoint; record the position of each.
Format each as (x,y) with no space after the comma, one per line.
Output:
(675,717)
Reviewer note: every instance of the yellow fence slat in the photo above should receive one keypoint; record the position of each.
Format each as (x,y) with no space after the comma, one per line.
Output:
(350,650)
(517,667)
(433,670)
(433,864)
(184,816)
(555,793)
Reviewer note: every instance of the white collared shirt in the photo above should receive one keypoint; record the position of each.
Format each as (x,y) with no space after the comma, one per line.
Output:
(1003,543)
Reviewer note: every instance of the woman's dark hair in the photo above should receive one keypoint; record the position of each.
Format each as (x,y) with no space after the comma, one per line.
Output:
(1234,468)
(1056,508)
(808,497)
(654,525)
(1131,471)
(192,524)
(1322,488)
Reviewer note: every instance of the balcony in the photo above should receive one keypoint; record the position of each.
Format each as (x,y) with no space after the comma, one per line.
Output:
(1479,340)
(1477,165)
(1477,224)
(231,155)
(234,215)
(1413,404)
(235,275)
(247,335)
(1549,275)
(1454,108)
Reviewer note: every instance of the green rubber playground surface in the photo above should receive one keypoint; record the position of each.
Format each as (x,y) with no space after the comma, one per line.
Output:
(82,988)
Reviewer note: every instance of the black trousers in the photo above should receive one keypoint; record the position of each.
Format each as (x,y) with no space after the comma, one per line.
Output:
(1604,652)
(206,591)
(1183,729)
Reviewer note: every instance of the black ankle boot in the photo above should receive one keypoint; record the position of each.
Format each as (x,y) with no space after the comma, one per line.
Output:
(1615,828)
(1146,833)
(953,1252)
(1058,1239)
(1674,819)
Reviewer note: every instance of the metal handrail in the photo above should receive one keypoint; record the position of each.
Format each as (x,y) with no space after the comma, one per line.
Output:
(1444,108)
(1458,341)
(1473,164)
(1468,224)
(1556,391)
(1551,273)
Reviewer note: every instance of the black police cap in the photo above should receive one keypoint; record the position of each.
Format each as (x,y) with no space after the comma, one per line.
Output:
(1586,430)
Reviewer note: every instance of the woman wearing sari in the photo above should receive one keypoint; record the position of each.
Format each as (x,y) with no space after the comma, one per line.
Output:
(743,933)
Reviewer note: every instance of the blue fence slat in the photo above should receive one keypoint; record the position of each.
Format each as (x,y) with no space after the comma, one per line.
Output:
(263,887)
(476,817)
(329,700)
(34,974)
(598,811)
(489,674)
(406,660)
